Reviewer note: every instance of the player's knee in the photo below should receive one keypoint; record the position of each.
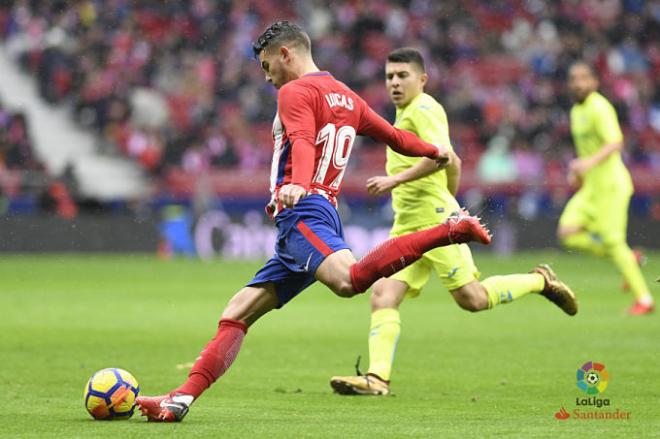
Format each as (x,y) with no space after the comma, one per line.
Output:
(344,289)
(381,299)
(473,300)
(235,307)
(251,303)
(472,305)
(562,234)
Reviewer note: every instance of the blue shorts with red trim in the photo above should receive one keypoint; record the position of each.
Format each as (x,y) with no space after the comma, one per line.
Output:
(306,235)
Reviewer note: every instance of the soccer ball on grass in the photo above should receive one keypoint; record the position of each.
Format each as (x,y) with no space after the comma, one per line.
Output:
(110,394)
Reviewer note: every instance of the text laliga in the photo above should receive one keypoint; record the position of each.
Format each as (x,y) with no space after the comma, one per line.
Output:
(592,401)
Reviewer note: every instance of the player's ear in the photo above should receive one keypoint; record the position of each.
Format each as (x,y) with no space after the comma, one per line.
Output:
(285,53)
(424,78)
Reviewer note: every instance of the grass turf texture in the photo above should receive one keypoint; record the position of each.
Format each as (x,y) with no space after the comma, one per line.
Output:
(504,372)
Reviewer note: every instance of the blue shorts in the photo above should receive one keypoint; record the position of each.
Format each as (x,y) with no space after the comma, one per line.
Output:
(306,235)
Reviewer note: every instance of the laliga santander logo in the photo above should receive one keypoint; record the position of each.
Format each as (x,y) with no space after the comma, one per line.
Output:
(592,378)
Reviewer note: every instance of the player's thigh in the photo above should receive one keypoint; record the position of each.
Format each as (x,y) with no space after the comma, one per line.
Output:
(285,278)
(414,276)
(612,220)
(251,302)
(335,272)
(454,265)
(578,214)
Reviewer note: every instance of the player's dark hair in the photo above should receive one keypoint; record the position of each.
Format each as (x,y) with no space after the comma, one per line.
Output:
(279,34)
(583,63)
(407,55)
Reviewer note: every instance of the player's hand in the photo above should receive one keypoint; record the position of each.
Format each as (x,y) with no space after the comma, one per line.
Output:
(573,180)
(290,194)
(579,167)
(444,158)
(381,185)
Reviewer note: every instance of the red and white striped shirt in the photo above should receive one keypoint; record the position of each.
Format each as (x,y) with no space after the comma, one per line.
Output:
(314,131)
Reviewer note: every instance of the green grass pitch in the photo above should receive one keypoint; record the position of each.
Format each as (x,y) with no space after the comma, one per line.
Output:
(499,373)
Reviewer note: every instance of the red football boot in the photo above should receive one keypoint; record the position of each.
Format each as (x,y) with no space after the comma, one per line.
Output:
(162,408)
(466,228)
(640,308)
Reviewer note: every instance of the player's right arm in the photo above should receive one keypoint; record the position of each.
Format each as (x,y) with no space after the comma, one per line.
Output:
(297,116)
(608,130)
(401,141)
(380,185)
(428,126)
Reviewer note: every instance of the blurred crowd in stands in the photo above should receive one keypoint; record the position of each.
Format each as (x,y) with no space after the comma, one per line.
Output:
(16,149)
(174,83)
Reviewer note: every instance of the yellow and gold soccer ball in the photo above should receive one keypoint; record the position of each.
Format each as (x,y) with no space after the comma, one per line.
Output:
(110,394)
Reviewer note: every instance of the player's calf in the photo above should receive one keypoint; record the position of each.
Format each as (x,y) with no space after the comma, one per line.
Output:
(398,253)
(471,297)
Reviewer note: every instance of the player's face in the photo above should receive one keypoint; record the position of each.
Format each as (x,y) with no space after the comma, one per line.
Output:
(273,62)
(404,81)
(581,82)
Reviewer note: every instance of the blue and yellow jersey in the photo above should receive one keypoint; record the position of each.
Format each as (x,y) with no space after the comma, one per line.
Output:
(425,201)
(594,124)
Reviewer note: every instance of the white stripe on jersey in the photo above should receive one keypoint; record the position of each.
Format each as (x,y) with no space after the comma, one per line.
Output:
(278,135)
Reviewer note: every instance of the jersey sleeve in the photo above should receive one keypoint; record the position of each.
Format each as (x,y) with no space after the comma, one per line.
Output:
(431,125)
(607,123)
(401,141)
(295,108)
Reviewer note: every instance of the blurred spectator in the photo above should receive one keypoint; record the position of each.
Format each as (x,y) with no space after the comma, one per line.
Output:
(176,233)
(172,83)
(497,164)
(16,151)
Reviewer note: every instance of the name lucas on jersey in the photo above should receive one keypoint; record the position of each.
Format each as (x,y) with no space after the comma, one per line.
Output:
(339,100)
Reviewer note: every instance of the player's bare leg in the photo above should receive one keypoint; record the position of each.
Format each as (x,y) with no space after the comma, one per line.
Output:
(245,308)
(641,260)
(618,251)
(386,297)
(471,297)
(334,272)
(496,290)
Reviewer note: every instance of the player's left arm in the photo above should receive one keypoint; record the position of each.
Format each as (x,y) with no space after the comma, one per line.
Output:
(454,174)
(608,130)
(296,113)
(428,128)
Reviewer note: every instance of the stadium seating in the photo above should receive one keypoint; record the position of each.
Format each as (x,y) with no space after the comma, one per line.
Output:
(174,84)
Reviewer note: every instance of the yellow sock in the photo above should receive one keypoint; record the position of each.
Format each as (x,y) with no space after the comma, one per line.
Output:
(585,241)
(625,261)
(504,289)
(383,338)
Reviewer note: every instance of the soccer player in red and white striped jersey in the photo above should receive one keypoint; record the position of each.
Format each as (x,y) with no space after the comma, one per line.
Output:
(317,121)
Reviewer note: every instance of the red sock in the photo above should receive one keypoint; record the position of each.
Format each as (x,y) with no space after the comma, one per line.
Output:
(396,254)
(216,357)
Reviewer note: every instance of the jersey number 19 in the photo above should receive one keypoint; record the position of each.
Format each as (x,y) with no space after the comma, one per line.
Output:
(337,145)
